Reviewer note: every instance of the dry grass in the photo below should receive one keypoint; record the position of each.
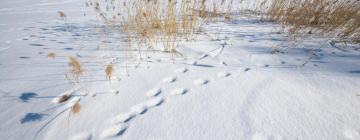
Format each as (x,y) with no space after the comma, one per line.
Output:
(332,18)
(64,98)
(51,55)
(75,109)
(76,68)
(62,14)
(150,23)
(109,71)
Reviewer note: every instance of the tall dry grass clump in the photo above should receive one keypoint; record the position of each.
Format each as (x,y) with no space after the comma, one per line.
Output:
(76,69)
(338,19)
(164,23)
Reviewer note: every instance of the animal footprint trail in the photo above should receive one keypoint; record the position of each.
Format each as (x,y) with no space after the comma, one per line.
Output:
(179,91)
(114,131)
(169,79)
(139,109)
(122,118)
(154,102)
(153,92)
(181,70)
(223,74)
(200,82)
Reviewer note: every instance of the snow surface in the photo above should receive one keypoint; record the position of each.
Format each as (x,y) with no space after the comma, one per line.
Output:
(268,94)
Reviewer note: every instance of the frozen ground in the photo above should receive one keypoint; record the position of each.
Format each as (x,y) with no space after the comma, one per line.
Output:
(247,91)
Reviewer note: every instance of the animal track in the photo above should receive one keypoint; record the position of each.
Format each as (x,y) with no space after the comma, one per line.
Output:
(200,82)
(114,130)
(153,92)
(179,91)
(169,79)
(223,74)
(154,102)
(181,70)
(122,118)
(139,109)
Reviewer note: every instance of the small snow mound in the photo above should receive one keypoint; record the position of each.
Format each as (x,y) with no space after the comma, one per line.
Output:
(181,70)
(223,74)
(169,79)
(114,131)
(153,92)
(154,102)
(179,91)
(121,118)
(351,134)
(200,82)
(82,136)
(138,109)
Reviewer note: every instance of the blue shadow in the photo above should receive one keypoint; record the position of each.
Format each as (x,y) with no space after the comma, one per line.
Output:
(32,117)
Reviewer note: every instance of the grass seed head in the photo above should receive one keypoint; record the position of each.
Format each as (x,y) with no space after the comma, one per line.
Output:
(76,68)
(75,109)
(51,55)
(109,71)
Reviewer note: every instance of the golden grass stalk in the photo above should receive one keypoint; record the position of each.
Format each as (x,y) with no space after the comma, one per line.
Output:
(75,65)
(62,14)
(332,18)
(75,109)
(51,55)
(109,71)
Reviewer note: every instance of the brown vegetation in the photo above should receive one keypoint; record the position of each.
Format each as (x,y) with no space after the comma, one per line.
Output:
(109,71)
(332,18)
(51,55)
(75,109)
(149,23)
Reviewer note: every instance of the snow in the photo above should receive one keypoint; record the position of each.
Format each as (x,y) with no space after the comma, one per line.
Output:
(82,136)
(179,91)
(200,82)
(122,118)
(181,70)
(169,79)
(154,102)
(139,109)
(153,92)
(252,91)
(114,131)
